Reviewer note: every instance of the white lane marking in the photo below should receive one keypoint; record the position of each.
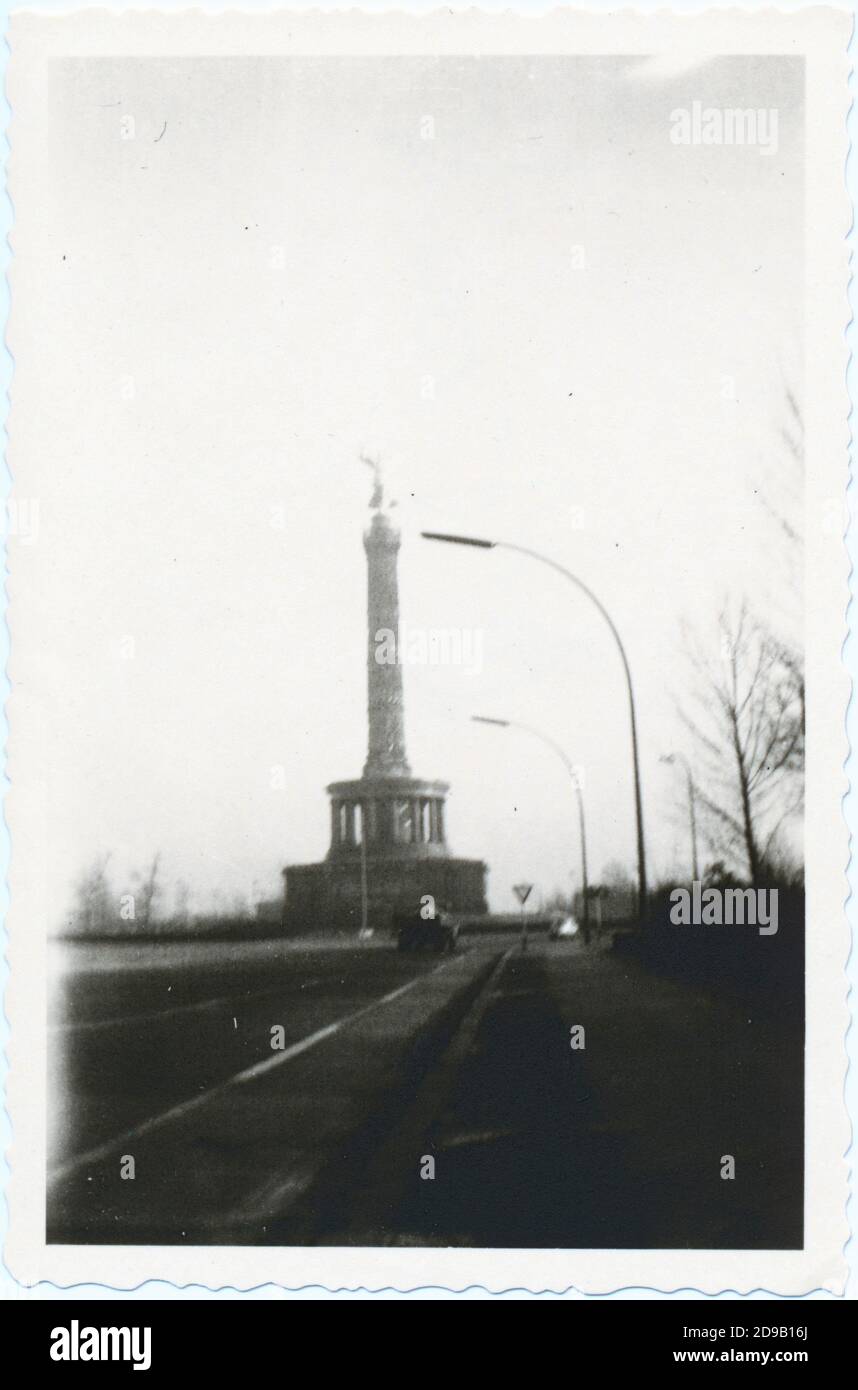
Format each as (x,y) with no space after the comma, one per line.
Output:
(297,1048)
(184,1107)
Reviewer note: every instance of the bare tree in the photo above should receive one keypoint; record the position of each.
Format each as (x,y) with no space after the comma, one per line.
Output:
(182,903)
(785,478)
(779,490)
(748,728)
(616,875)
(616,894)
(92,912)
(148,891)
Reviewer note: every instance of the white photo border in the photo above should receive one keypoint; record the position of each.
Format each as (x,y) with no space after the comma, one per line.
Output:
(821,36)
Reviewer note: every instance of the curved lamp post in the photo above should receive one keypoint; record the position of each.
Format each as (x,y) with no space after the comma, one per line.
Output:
(579,584)
(576,783)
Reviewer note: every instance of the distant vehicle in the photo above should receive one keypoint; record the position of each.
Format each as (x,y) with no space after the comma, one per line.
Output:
(562,927)
(415,933)
(366,934)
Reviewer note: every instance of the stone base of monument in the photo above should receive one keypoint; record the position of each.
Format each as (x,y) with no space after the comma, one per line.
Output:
(327,897)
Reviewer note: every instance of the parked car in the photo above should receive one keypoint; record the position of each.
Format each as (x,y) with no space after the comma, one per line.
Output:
(415,933)
(562,927)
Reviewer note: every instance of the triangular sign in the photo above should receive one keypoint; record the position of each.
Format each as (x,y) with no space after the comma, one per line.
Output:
(522,891)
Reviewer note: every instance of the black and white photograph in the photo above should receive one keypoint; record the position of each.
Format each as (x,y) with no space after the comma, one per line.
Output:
(426,592)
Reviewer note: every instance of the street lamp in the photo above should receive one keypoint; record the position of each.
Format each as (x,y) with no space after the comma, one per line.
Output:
(576,783)
(671,759)
(364,887)
(579,583)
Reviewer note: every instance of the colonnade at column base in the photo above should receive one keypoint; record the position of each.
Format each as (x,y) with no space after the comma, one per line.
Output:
(398,816)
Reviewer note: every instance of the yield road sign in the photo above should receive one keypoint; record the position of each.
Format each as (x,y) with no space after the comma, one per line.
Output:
(522,891)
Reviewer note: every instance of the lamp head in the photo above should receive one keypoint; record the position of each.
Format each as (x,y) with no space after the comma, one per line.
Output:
(457,540)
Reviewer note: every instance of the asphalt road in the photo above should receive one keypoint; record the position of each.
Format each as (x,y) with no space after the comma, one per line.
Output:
(129,1044)
(164,1055)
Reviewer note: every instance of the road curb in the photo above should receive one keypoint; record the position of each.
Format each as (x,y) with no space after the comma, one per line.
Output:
(314,1213)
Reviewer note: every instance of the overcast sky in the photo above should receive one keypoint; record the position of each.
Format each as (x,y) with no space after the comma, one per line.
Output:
(552,324)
